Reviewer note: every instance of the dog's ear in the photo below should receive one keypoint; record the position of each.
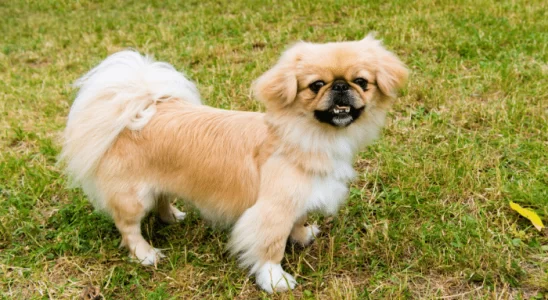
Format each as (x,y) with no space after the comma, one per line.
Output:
(277,87)
(391,73)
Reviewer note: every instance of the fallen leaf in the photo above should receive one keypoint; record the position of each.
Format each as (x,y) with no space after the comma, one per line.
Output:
(529,214)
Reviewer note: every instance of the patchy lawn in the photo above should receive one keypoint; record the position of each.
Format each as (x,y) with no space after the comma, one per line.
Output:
(428,216)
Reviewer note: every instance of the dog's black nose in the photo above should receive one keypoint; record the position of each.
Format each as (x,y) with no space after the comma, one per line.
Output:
(340,86)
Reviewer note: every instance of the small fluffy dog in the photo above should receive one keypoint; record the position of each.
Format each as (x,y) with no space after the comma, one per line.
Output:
(137,136)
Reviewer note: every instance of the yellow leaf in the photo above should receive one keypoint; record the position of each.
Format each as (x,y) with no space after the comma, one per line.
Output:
(529,214)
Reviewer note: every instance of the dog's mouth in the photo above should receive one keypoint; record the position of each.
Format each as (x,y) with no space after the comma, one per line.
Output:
(339,116)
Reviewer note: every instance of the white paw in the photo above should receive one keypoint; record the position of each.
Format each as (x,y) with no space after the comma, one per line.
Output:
(271,277)
(172,216)
(150,257)
(312,232)
(179,215)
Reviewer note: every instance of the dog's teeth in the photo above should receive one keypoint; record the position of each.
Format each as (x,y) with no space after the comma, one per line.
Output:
(336,111)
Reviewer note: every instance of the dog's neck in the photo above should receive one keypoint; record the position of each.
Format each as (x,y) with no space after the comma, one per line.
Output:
(310,147)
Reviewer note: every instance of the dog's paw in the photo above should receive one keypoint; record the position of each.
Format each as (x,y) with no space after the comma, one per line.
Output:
(172,216)
(307,236)
(271,277)
(149,257)
(179,215)
(312,232)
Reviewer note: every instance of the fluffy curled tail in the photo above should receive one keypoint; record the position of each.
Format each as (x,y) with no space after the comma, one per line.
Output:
(121,92)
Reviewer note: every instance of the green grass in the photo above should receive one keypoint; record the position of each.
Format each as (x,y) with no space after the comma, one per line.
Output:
(428,216)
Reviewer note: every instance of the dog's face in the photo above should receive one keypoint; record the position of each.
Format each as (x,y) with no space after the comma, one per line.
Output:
(332,83)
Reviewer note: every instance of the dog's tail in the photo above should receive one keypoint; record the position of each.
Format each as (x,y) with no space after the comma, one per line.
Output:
(121,92)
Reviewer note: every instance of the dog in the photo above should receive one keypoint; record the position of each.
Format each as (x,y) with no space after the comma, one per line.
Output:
(137,137)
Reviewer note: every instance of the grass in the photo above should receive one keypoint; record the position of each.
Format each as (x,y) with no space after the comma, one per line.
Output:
(428,216)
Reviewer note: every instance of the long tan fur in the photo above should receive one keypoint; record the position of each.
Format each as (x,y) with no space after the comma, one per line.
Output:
(261,172)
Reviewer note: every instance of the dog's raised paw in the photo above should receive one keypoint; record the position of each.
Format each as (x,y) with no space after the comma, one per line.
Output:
(172,215)
(271,277)
(150,257)
(179,216)
(312,232)
(306,235)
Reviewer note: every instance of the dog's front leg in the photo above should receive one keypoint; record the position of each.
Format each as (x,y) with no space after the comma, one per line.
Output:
(259,238)
(260,235)
(303,234)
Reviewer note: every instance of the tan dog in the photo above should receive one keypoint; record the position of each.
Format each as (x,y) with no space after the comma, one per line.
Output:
(137,137)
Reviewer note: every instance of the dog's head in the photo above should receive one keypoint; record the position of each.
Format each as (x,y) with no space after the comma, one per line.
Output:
(332,83)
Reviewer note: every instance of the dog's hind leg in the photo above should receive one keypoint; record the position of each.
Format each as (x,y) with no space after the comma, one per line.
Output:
(167,212)
(128,211)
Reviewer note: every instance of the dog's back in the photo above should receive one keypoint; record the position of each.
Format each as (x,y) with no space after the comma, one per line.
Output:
(202,154)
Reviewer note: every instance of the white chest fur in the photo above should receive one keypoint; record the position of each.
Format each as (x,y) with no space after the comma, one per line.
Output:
(330,191)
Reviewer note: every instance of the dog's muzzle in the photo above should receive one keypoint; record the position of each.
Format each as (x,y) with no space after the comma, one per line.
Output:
(342,111)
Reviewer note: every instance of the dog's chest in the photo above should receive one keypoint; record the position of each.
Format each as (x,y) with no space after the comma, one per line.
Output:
(330,191)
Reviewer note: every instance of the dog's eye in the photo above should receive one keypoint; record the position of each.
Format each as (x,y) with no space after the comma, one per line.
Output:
(362,83)
(316,86)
